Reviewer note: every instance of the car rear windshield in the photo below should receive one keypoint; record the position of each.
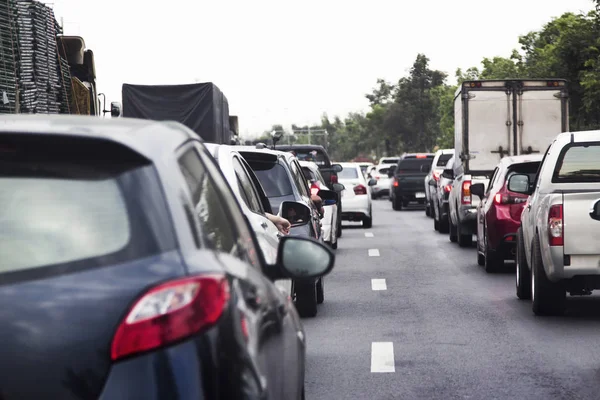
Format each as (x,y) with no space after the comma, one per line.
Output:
(316,156)
(273,178)
(414,165)
(578,163)
(390,161)
(348,173)
(528,168)
(385,171)
(58,211)
(443,160)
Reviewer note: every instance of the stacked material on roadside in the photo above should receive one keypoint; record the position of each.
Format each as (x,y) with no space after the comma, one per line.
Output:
(8,57)
(43,82)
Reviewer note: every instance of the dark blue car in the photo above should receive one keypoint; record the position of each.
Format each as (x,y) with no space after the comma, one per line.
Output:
(127,270)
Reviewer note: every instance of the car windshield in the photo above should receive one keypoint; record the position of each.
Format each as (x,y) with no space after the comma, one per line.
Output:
(273,178)
(443,160)
(579,163)
(414,164)
(349,172)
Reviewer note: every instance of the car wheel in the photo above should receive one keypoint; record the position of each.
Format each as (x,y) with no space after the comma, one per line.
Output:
(368,221)
(444,225)
(427,210)
(436,223)
(334,245)
(549,298)
(523,278)
(320,291)
(463,240)
(480,259)
(306,300)
(452,232)
(492,261)
(396,204)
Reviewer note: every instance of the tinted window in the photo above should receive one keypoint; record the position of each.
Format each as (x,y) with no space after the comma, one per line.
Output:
(216,227)
(384,171)
(309,174)
(315,156)
(443,160)
(414,164)
(348,173)
(529,168)
(299,178)
(390,161)
(274,179)
(246,187)
(578,163)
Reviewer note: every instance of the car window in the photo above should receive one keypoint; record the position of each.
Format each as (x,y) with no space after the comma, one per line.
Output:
(316,156)
(247,188)
(528,168)
(443,160)
(309,174)
(299,178)
(348,172)
(578,163)
(273,177)
(414,164)
(57,215)
(390,161)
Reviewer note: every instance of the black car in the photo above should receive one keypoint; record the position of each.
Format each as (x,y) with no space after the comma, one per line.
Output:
(318,155)
(408,184)
(128,271)
(283,181)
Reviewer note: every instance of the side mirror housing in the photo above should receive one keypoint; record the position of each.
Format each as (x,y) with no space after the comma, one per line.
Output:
(372,182)
(448,173)
(297,213)
(116,110)
(595,211)
(519,183)
(478,189)
(337,168)
(338,187)
(391,173)
(329,197)
(304,258)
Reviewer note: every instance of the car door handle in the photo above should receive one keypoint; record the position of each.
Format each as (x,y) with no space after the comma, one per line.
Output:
(264,225)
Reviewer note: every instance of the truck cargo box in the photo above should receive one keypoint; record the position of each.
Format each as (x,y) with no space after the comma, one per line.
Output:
(200,106)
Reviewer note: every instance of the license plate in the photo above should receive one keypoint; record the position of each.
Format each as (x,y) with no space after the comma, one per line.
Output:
(420,195)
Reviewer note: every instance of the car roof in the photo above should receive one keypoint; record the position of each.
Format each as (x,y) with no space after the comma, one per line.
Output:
(301,146)
(146,137)
(508,161)
(414,155)
(445,151)
(309,164)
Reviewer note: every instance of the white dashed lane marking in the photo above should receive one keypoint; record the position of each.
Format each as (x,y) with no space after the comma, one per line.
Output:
(369,234)
(373,252)
(378,284)
(382,357)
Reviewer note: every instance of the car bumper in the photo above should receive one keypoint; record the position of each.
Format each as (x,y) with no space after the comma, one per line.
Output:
(410,194)
(355,208)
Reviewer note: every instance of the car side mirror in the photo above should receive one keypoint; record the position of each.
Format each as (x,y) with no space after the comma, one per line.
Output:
(329,197)
(519,183)
(297,213)
(304,258)
(372,182)
(338,187)
(595,211)
(478,189)
(337,168)
(448,174)
(390,173)
(116,110)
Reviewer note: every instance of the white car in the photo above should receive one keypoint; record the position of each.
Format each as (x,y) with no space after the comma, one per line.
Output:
(356,199)
(380,174)
(329,223)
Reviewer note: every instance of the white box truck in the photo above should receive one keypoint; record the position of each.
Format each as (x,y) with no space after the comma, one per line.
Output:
(494,119)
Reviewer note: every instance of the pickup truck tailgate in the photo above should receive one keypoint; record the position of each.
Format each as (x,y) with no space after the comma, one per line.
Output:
(581,232)
(412,182)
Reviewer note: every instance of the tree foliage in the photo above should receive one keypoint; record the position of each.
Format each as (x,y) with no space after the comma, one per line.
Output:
(417,112)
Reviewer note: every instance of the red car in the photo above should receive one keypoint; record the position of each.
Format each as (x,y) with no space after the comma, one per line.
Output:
(499,212)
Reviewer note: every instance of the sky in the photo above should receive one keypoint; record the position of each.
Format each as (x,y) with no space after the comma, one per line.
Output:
(287,62)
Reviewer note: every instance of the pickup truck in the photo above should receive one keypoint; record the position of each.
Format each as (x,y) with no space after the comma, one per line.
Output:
(408,179)
(557,245)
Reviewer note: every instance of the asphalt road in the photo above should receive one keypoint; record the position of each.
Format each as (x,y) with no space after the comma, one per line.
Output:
(442,328)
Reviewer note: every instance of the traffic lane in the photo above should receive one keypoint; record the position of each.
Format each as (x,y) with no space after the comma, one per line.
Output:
(456,331)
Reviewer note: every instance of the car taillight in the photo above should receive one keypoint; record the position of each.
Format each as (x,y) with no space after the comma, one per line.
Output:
(466,193)
(503,198)
(360,189)
(448,188)
(555,225)
(436,175)
(334,179)
(170,312)
(396,184)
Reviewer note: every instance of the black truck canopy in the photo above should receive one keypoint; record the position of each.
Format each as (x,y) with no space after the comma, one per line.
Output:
(200,106)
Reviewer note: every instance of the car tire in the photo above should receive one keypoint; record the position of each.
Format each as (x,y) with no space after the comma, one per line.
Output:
(523,275)
(444,226)
(306,300)
(436,223)
(463,240)
(548,298)
(320,291)
(334,245)
(493,263)
(427,210)
(396,204)
(452,231)
(368,221)
(480,259)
